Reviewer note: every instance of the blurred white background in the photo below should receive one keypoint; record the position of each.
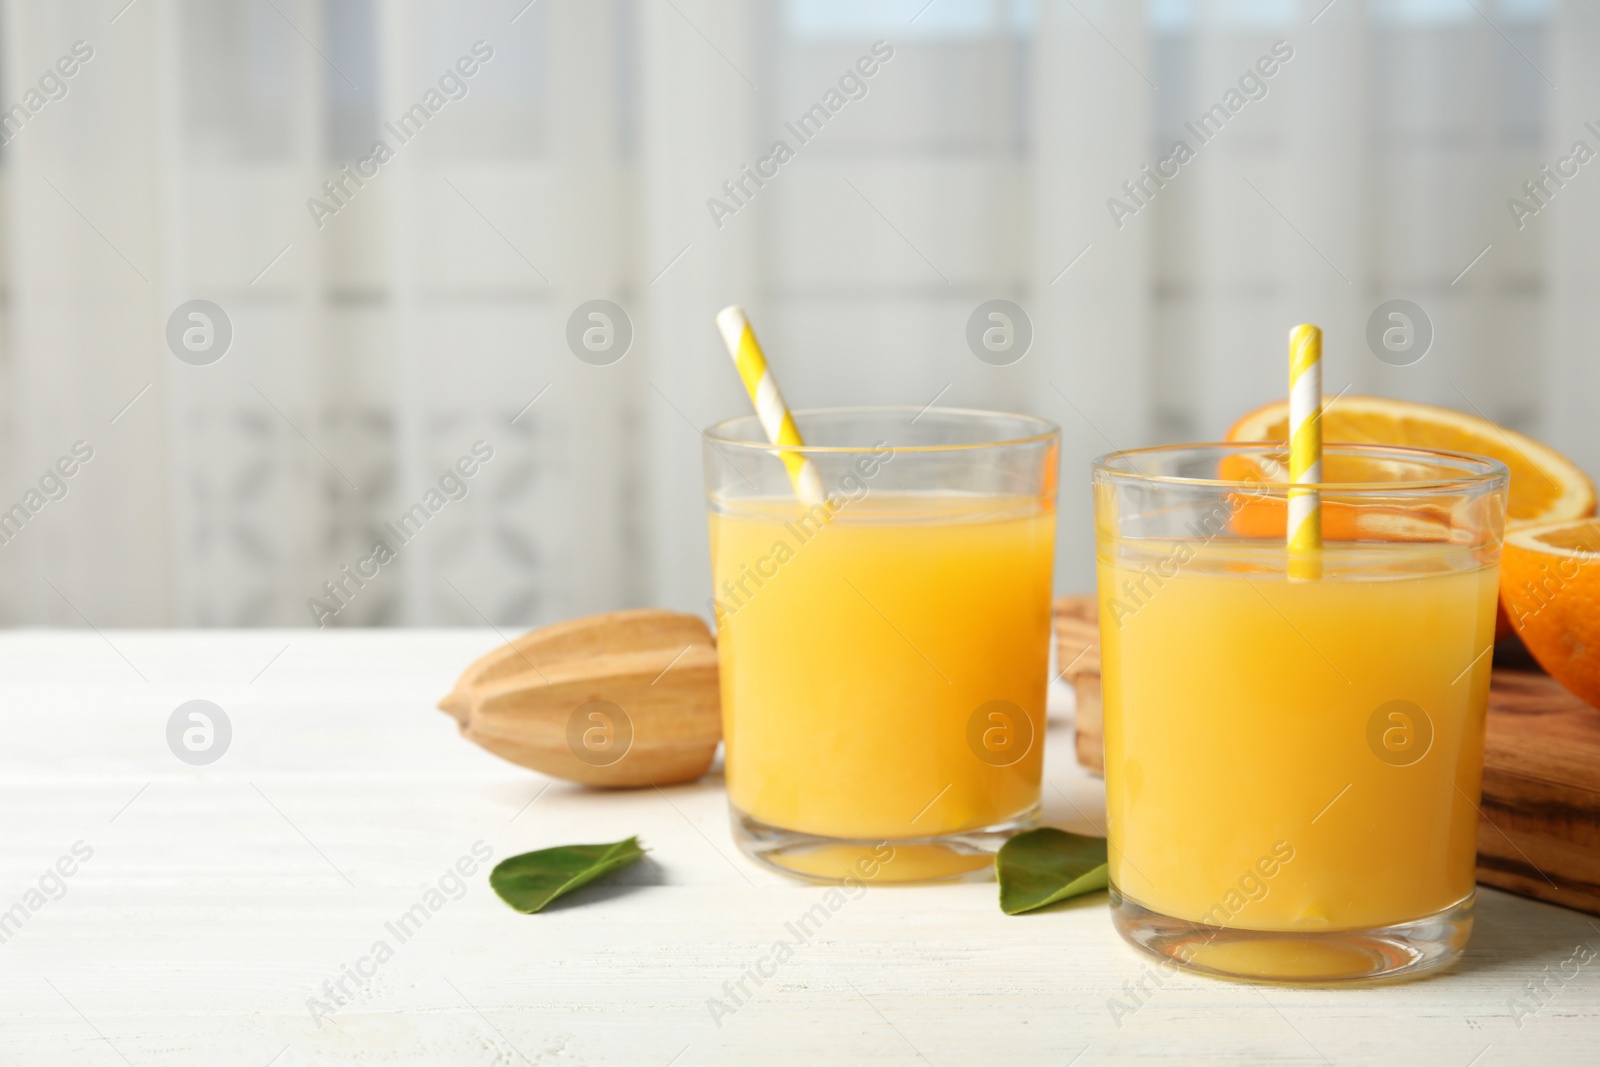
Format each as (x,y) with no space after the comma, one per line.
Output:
(371,346)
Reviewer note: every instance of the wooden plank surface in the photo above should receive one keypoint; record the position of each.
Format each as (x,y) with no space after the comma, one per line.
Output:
(219,899)
(1540,832)
(1541,792)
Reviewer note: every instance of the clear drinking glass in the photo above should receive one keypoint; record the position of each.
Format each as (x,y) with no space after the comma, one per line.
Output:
(884,654)
(1293,763)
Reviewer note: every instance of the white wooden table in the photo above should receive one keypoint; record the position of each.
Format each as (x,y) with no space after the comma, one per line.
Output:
(219,899)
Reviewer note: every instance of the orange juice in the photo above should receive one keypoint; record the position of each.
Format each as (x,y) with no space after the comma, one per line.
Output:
(862,654)
(1294,755)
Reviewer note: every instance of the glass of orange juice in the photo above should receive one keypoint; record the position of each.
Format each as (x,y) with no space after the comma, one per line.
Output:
(1293,762)
(883,653)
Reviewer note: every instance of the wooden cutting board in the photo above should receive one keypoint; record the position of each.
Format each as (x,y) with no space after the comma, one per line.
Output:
(1540,832)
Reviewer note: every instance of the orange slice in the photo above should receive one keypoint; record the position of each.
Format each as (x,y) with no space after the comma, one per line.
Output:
(1265,517)
(1544,483)
(1550,588)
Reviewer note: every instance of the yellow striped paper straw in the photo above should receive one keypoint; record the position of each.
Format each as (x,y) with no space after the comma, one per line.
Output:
(770,408)
(1305,452)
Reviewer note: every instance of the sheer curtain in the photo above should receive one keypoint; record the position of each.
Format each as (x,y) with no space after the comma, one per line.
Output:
(387,315)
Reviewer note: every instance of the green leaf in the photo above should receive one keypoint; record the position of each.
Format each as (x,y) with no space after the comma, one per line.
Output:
(532,880)
(1042,866)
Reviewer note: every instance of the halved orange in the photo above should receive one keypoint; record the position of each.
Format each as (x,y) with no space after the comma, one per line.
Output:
(1544,483)
(1342,520)
(1550,588)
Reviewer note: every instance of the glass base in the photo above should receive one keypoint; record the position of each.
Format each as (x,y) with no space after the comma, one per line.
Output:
(1379,954)
(964,856)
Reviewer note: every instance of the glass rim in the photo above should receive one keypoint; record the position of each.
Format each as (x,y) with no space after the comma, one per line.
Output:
(719,434)
(1483,472)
